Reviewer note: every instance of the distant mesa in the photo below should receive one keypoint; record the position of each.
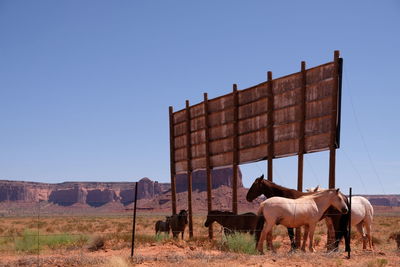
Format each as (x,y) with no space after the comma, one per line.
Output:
(97,194)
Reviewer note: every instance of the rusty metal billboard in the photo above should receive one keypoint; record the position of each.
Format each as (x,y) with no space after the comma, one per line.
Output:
(280,117)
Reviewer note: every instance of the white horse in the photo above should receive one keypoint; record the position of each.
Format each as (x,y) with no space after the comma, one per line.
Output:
(306,210)
(362,213)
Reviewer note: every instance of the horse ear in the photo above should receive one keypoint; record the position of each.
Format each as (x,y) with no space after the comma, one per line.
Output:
(316,189)
(337,190)
(260,178)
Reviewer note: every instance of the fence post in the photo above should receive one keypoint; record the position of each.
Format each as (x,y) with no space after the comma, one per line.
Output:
(134,221)
(349,232)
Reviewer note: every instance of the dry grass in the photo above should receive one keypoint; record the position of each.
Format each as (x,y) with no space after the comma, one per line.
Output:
(115,233)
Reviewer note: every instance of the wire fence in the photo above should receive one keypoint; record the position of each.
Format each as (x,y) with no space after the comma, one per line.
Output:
(40,228)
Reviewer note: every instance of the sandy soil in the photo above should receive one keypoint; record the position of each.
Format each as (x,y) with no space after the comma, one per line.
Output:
(182,254)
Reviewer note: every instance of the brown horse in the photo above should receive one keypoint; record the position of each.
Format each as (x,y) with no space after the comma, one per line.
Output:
(339,220)
(178,223)
(231,222)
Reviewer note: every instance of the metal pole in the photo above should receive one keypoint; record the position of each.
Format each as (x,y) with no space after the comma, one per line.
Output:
(134,220)
(349,232)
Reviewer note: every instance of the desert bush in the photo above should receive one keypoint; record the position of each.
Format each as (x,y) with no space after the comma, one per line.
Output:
(376,240)
(240,243)
(32,242)
(276,244)
(317,240)
(117,262)
(162,237)
(29,242)
(96,242)
(377,263)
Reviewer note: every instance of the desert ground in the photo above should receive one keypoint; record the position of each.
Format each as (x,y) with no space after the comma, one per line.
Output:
(89,240)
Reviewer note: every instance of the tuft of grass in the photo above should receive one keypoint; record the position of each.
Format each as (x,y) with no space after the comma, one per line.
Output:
(276,245)
(381,262)
(31,242)
(376,240)
(317,240)
(240,243)
(162,237)
(117,262)
(96,243)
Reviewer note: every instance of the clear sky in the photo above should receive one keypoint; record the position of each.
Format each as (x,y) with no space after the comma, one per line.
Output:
(85,85)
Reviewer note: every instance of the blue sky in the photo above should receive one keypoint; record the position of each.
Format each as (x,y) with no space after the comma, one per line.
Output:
(85,85)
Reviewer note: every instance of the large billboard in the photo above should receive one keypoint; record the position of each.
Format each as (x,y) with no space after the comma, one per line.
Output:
(297,113)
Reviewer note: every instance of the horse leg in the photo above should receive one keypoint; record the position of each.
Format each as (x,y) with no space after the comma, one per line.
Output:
(311,230)
(291,237)
(264,234)
(368,229)
(330,242)
(260,243)
(303,246)
(269,241)
(361,231)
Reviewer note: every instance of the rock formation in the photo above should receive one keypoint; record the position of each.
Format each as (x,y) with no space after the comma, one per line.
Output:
(219,177)
(97,194)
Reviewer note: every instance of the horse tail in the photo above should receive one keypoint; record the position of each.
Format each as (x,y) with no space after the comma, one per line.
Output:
(259,227)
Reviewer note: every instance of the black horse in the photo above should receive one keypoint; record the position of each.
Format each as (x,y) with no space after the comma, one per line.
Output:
(163,226)
(246,223)
(178,223)
(340,221)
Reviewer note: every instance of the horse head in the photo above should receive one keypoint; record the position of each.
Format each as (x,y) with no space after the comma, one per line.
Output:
(211,217)
(256,189)
(339,201)
(183,216)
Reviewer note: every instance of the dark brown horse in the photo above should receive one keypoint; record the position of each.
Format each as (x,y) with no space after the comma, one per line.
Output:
(270,189)
(231,222)
(178,223)
(163,226)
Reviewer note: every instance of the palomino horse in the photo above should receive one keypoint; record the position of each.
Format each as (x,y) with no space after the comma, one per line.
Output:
(231,222)
(306,210)
(362,213)
(339,221)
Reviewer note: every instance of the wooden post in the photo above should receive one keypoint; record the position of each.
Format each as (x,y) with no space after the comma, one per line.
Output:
(189,168)
(334,117)
(235,149)
(208,163)
(172,158)
(270,126)
(134,221)
(301,139)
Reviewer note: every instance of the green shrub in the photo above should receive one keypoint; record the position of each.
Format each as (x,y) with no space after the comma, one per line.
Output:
(376,241)
(162,237)
(381,262)
(30,242)
(240,243)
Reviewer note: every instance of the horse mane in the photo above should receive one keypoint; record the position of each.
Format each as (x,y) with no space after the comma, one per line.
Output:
(284,189)
(319,193)
(217,212)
